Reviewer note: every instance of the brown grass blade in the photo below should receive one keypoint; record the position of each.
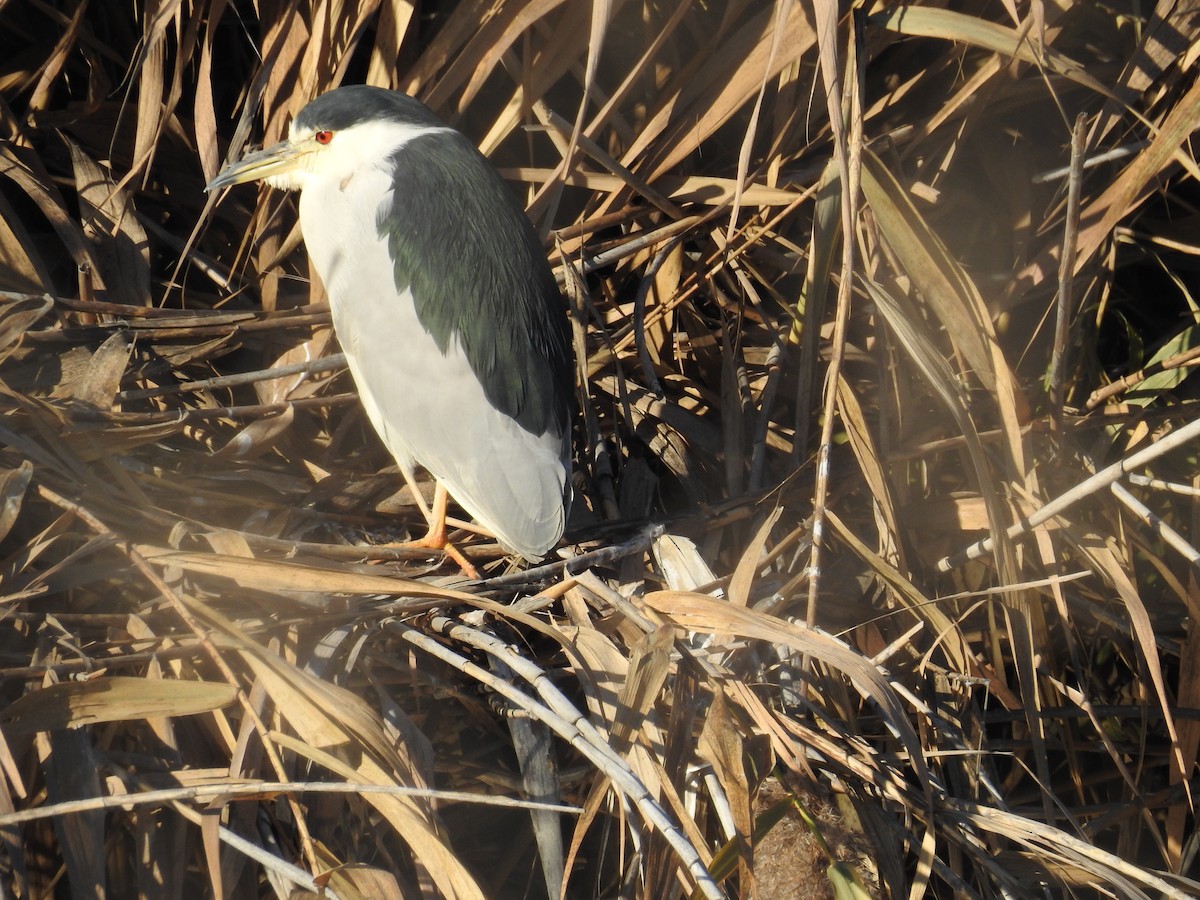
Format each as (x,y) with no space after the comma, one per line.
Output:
(112,699)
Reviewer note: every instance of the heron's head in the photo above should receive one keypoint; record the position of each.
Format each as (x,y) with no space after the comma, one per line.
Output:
(334,136)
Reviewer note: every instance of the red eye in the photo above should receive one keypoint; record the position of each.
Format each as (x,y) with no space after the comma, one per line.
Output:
(323,137)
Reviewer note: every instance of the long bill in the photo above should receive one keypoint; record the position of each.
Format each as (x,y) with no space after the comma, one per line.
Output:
(281,160)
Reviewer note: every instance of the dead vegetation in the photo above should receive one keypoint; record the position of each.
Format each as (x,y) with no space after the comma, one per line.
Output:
(886,479)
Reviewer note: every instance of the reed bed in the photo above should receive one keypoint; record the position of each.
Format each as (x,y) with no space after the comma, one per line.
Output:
(882,566)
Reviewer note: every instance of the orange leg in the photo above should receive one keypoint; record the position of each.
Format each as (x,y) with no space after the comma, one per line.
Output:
(435,537)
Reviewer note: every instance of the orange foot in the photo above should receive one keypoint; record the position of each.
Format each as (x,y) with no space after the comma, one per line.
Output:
(438,541)
(435,538)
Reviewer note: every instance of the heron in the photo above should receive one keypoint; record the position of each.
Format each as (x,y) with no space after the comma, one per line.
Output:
(447,311)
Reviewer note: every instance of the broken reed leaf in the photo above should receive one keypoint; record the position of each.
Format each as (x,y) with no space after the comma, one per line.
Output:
(681,563)
(112,699)
(100,380)
(109,220)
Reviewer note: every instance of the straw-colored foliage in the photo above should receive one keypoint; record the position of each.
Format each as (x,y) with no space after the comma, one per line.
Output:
(882,572)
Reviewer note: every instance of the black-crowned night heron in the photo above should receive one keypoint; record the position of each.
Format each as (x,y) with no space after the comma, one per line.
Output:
(444,304)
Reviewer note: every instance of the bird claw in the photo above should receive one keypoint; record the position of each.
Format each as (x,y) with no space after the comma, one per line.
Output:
(438,541)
